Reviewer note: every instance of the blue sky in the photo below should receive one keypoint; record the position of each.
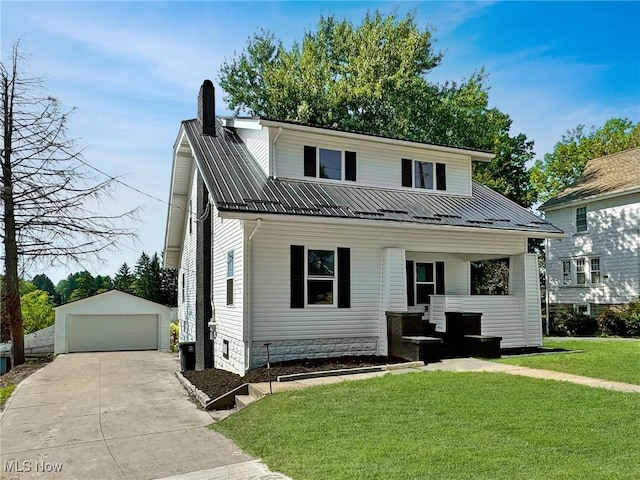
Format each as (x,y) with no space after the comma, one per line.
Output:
(133,71)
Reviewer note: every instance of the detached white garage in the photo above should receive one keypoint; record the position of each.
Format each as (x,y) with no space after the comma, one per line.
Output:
(111,321)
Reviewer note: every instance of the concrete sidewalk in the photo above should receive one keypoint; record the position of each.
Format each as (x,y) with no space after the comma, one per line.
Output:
(114,415)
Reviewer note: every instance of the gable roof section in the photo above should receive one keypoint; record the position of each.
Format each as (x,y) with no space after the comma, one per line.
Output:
(612,175)
(238,185)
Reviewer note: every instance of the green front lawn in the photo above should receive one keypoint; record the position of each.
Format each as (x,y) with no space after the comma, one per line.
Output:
(609,359)
(444,425)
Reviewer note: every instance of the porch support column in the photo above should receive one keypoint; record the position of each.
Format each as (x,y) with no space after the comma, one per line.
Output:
(393,290)
(524,283)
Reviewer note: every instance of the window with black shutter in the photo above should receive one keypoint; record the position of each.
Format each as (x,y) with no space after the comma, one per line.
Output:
(350,166)
(310,169)
(407,179)
(441,176)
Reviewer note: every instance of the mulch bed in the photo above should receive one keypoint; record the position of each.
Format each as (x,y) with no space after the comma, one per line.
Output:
(19,373)
(215,382)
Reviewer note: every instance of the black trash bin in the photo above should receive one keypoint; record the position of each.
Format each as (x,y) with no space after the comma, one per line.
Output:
(187,356)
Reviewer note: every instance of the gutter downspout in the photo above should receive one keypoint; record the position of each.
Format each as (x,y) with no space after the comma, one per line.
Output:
(248,298)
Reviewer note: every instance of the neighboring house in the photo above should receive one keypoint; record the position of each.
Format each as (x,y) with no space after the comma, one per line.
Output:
(303,237)
(598,264)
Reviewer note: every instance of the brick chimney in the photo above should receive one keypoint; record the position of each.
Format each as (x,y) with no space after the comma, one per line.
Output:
(207,108)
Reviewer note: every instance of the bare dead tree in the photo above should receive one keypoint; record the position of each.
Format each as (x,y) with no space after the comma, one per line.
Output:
(49,194)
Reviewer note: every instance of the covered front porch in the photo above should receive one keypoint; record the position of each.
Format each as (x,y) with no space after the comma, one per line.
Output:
(435,284)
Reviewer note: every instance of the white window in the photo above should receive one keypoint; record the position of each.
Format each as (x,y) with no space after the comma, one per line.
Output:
(583,308)
(595,270)
(329,164)
(230,271)
(581,219)
(581,277)
(423,175)
(566,272)
(320,277)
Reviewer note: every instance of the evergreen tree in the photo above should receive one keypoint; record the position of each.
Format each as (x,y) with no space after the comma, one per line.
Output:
(124,279)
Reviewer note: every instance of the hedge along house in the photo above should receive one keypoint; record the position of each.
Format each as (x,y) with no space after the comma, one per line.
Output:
(303,237)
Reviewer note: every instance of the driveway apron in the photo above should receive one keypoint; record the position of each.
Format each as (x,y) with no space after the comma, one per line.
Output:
(112,415)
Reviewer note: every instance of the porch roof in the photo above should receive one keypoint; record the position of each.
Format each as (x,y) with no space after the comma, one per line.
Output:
(238,185)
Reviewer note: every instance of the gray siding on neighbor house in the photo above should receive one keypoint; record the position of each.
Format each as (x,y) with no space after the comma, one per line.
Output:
(613,236)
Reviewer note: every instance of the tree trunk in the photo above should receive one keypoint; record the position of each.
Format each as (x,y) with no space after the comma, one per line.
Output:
(11,311)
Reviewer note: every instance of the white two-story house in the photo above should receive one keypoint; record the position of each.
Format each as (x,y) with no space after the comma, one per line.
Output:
(598,264)
(303,237)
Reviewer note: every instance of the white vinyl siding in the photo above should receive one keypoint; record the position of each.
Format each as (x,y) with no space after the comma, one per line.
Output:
(273,319)
(228,235)
(257,142)
(498,313)
(378,164)
(613,237)
(187,270)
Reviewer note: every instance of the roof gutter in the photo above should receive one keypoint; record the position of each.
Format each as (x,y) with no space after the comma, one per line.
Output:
(279,217)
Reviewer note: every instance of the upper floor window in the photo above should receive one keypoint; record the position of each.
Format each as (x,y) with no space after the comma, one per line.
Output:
(581,219)
(425,175)
(329,164)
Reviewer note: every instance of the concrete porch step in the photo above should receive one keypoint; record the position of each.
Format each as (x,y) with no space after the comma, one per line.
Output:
(244,400)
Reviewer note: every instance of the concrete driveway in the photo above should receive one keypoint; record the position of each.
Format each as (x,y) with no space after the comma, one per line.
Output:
(114,415)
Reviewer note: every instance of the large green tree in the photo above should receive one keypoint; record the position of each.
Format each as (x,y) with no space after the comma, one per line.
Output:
(374,78)
(564,165)
(37,310)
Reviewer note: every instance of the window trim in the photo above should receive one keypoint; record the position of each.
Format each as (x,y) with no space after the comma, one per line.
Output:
(343,163)
(576,308)
(582,225)
(333,278)
(416,282)
(230,282)
(597,270)
(566,281)
(581,269)
(576,264)
(438,175)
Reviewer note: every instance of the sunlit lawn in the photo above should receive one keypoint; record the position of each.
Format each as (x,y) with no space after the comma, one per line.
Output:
(609,359)
(444,425)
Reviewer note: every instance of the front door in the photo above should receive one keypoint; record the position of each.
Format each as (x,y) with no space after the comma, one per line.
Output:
(423,280)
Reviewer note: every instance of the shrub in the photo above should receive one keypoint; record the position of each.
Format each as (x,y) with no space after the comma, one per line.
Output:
(632,319)
(174,336)
(567,322)
(611,322)
(623,321)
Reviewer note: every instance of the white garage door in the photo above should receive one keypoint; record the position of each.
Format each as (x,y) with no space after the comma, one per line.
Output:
(95,333)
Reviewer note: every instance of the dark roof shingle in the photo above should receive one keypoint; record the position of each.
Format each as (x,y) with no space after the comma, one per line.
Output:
(615,173)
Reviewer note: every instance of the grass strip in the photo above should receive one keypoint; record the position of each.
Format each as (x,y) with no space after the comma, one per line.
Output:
(608,359)
(444,425)
(5,392)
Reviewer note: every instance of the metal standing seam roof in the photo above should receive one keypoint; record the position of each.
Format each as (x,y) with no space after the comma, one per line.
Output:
(238,184)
